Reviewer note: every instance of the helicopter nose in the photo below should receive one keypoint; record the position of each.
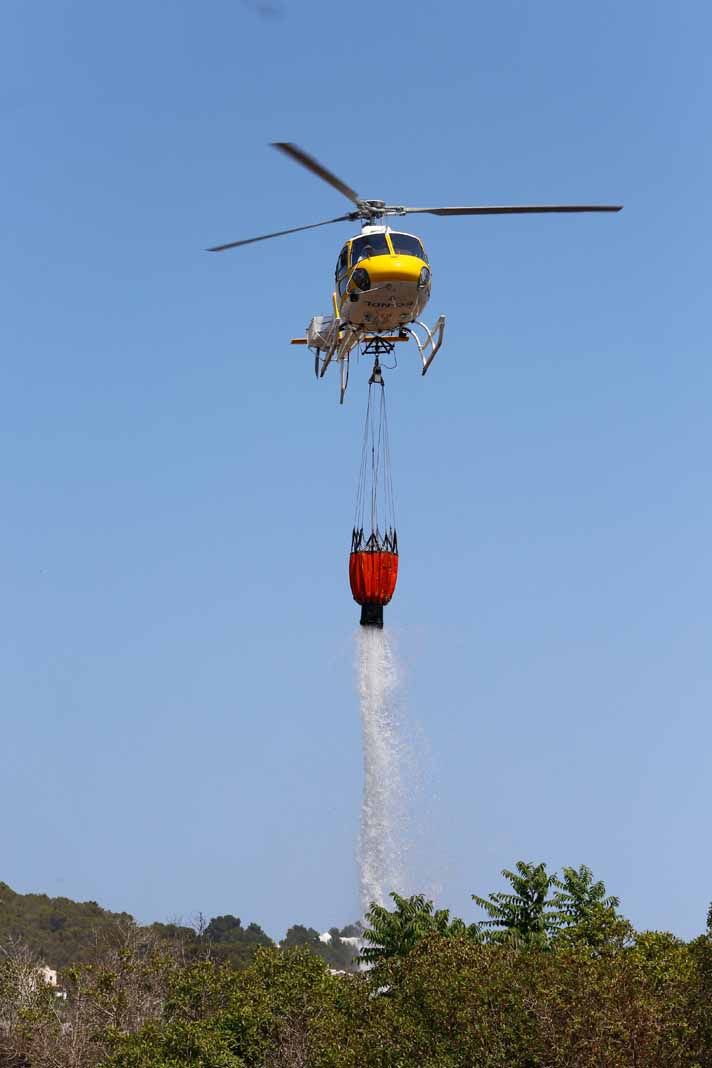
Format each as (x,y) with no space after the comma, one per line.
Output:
(395,269)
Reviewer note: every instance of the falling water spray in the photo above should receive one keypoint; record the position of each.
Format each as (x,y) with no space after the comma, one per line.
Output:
(382,845)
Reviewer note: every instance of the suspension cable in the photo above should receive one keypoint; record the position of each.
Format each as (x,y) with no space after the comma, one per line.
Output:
(374,518)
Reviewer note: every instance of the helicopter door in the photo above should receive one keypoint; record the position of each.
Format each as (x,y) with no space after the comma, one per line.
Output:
(342,271)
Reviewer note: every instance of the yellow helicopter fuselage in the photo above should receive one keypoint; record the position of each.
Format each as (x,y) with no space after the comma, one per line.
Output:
(382,280)
(382,275)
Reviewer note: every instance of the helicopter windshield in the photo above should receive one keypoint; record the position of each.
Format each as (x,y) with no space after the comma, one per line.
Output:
(407,245)
(370,245)
(343,261)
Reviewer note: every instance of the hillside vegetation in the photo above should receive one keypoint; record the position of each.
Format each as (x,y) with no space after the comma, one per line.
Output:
(60,932)
(57,931)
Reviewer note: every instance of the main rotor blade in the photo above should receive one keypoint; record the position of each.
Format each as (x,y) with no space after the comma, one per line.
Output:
(278,233)
(519,209)
(313,165)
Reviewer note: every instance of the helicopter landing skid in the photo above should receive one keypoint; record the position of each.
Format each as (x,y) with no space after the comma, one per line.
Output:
(330,338)
(340,342)
(430,344)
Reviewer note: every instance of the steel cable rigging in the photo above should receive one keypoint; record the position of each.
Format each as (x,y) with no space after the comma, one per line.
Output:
(373,562)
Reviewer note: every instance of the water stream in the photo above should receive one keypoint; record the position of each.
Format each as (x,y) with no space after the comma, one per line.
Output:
(382,844)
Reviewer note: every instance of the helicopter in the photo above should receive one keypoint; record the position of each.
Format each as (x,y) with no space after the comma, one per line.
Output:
(382,278)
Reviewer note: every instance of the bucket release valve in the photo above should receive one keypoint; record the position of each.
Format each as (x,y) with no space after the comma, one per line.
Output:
(376,376)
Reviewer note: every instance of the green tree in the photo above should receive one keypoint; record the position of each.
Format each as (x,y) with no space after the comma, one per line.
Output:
(525,917)
(351,930)
(121,991)
(586,913)
(183,1044)
(699,1009)
(279,1011)
(395,933)
(339,955)
(229,941)
(577,895)
(298,935)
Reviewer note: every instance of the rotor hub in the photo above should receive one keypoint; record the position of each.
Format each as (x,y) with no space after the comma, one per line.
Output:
(371,210)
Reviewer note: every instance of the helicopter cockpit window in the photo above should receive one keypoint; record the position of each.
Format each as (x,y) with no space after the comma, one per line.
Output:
(369,245)
(408,245)
(343,261)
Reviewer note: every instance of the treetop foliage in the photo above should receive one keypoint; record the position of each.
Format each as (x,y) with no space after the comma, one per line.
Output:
(526,917)
(552,977)
(394,934)
(544,909)
(451,1001)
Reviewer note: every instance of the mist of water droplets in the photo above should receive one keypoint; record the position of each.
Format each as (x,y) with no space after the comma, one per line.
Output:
(382,844)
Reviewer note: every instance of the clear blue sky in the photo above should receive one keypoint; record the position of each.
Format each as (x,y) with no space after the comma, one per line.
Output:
(179,720)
